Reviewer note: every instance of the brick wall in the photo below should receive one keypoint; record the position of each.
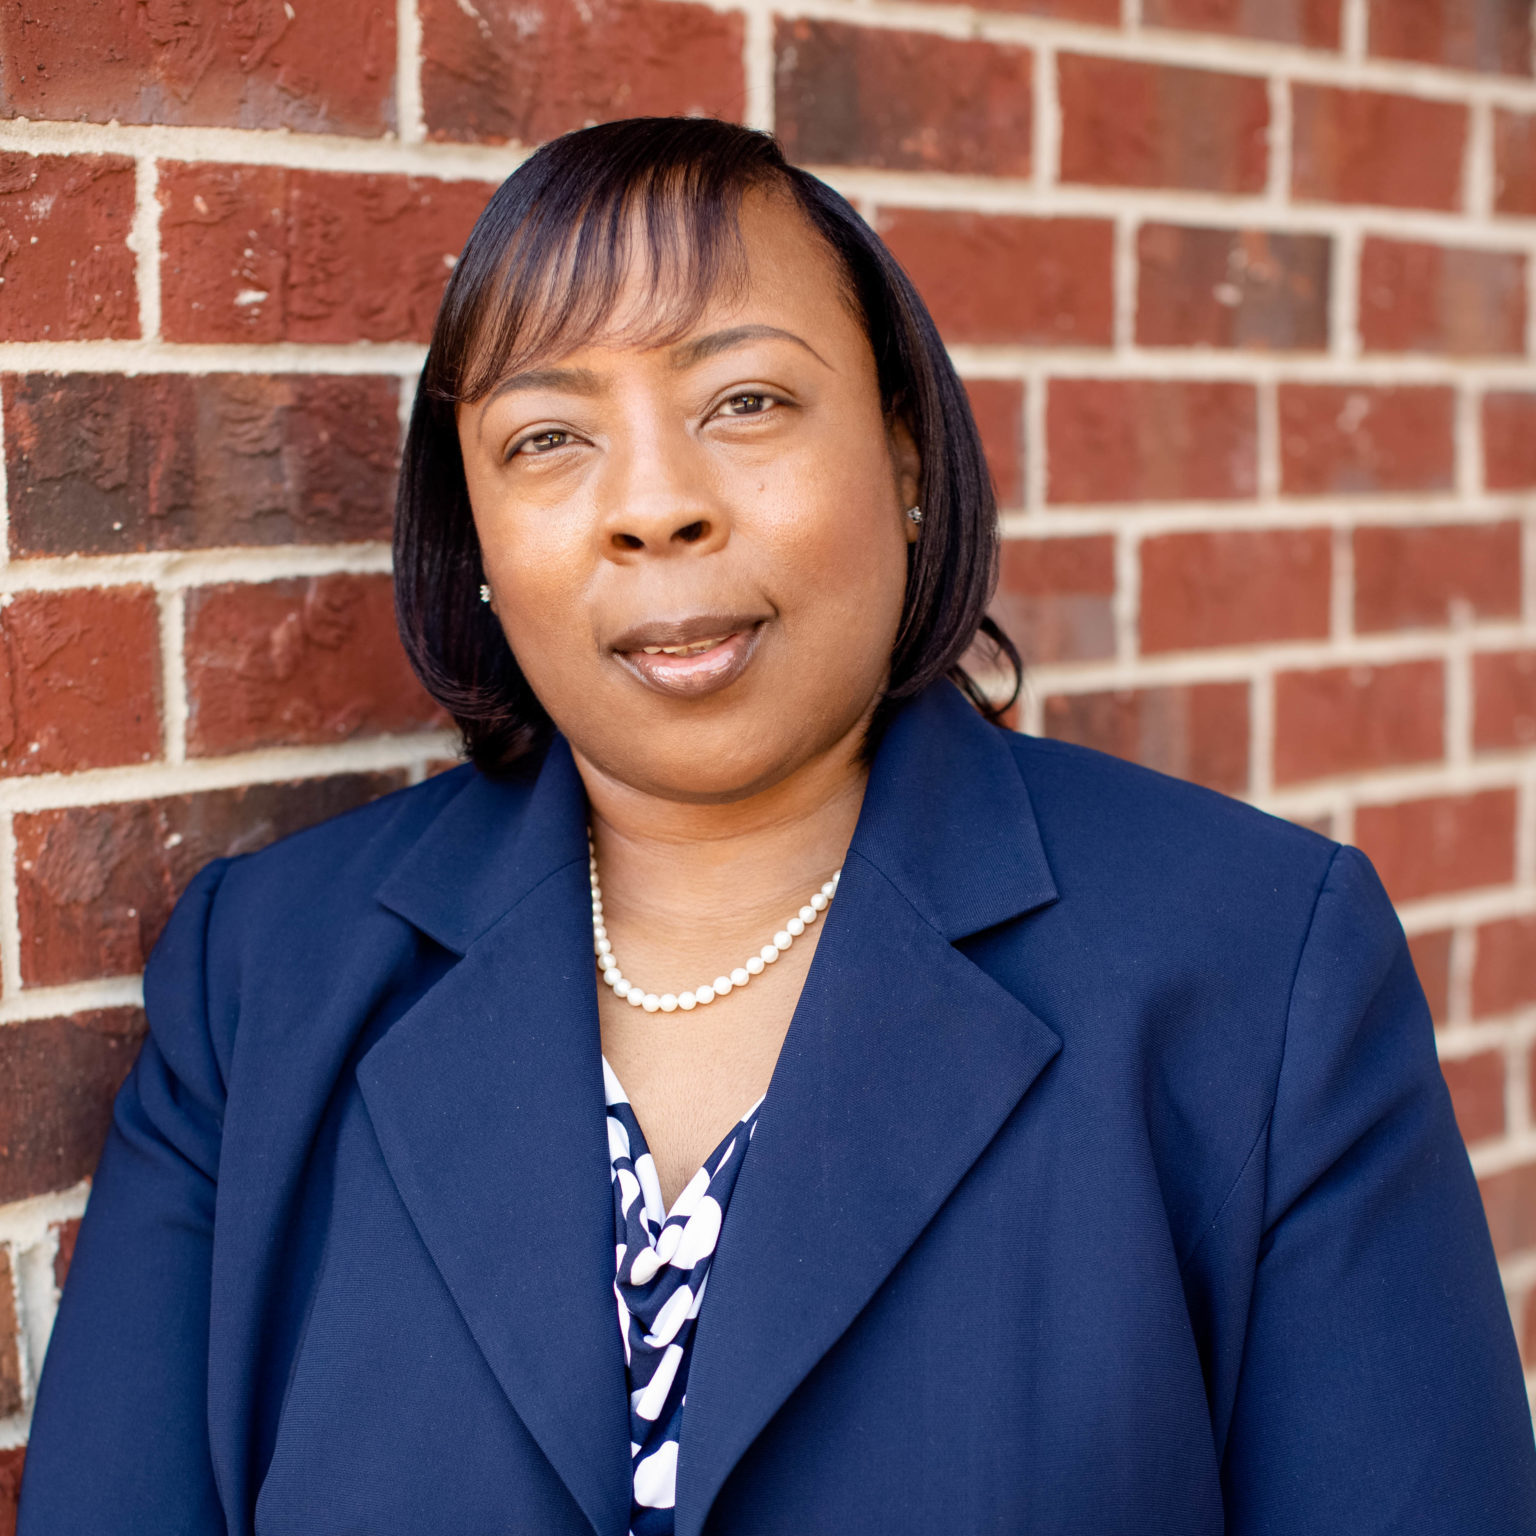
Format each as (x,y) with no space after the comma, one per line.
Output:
(1243,289)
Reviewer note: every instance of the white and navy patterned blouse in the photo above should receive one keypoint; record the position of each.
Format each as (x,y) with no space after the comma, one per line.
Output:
(662,1263)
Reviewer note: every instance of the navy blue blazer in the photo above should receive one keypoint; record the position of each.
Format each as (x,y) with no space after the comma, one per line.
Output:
(1107,1183)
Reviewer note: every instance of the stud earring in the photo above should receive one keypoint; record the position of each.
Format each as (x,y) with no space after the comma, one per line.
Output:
(485,592)
(914,514)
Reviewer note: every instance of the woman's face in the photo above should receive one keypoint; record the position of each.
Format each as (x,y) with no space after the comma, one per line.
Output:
(698,550)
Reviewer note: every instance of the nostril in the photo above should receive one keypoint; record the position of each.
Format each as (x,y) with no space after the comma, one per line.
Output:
(628,541)
(692,533)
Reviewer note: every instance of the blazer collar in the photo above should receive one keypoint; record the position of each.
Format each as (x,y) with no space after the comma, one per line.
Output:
(487,1100)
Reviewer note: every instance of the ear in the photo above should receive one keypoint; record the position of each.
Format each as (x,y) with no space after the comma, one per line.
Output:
(906,469)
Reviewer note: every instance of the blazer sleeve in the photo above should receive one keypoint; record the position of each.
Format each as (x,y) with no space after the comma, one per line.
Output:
(1380,1387)
(120,1434)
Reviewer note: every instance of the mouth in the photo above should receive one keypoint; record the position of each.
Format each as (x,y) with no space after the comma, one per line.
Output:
(690,658)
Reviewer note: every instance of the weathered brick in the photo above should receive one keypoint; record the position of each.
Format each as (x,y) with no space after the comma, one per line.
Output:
(1115,440)
(1504,690)
(504,70)
(1195,731)
(1509,440)
(66,273)
(902,101)
(1234,588)
(1514,161)
(285,663)
(1344,439)
(1477,1093)
(998,407)
(316,68)
(1232,288)
(104,463)
(1055,597)
(11,1400)
(998,278)
(1509,1202)
(1338,720)
(1374,147)
(1484,35)
(1134,124)
(1441,843)
(1432,960)
(57,1081)
(1504,977)
(266,254)
(1415,577)
(1311,23)
(11,1462)
(67,1232)
(95,884)
(1419,297)
(81,680)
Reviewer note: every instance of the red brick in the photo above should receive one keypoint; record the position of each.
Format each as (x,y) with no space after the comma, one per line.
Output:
(1509,440)
(67,1232)
(81,685)
(506,70)
(104,463)
(66,273)
(10,1487)
(1195,731)
(1504,687)
(1232,288)
(1432,960)
(1372,147)
(1477,1092)
(1114,440)
(1504,977)
(998,406)
(1415,577)
(264,254)
(1441,843)
(1234,588)
(1311,23)
(1514,161)
(1417,297)
(319,69)
(1352,719)
(285,663)
(1102,13)
(11,1400)
(1358,439)
(1131,124)
(95,884)
(998,278)
(57,1081)
(1509,1202)
(1483,35)
(901,101)
(1055,597)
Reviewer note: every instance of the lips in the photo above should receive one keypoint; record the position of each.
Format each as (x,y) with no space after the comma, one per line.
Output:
(692,657)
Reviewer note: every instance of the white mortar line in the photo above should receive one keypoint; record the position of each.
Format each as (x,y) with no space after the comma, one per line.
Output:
(10,916)
(1036,467)
(1517,1101)
(1458,1041)
(173,673)
(1460,909)
(1458,692)
(1125,604)
(1344,296)
(1477,176)
(1525,827)
(177,570)
(1501,1156)
(1125,276)
(1341,591)
(1261,733)
(1130,15)
(1046,123)
(144,241)
(136,357)
(410,123)
(103,786)
(1467,439)
(27,1222)
(78,997)
(1260,513)
(759,68)
(1528,549)
(1459,970)
(1354,24)
(1267,443)
(1279,188)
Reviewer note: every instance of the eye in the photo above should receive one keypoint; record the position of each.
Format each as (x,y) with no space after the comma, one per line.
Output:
(539,442)
(748,403)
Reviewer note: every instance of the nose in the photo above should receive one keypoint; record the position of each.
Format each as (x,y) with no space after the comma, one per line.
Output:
(658,502)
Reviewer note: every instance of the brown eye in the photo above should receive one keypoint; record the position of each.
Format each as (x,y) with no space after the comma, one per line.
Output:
(746,405)
(540,442)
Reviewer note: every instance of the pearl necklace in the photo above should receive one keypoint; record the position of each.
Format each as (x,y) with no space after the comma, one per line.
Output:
(668,1002)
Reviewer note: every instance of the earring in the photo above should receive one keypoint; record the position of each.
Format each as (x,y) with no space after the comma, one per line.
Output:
(914,514)
(485,592)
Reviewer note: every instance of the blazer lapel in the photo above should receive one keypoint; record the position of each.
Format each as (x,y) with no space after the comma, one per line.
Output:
(903,1061)
(487,1100)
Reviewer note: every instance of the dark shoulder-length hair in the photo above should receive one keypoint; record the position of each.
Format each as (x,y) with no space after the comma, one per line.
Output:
(542,273)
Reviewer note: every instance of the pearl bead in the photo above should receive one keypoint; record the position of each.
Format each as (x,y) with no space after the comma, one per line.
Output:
(604,947)
(794,928)
(741,976)
(783,939)
(687,1002)
(806,915)
(829,889)
(650,1002)
(635,998)
(668,1001)
(723,985)
(621,988)
(755,965)
(703,995)
(819,902)
(598,931)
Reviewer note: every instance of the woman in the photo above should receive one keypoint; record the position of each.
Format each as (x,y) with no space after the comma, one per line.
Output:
(1063,1147)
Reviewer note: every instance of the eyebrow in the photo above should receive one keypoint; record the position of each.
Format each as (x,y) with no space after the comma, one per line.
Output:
(572,381)
(687,353)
